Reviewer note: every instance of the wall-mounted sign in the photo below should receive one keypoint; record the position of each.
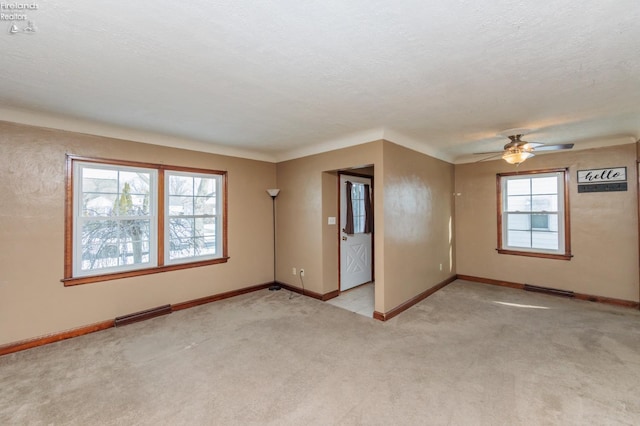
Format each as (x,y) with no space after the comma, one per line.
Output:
(603,187)
(602,180)
(614,174)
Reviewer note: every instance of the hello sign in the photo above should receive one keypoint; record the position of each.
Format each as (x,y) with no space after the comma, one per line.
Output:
(602,175)
(602,180)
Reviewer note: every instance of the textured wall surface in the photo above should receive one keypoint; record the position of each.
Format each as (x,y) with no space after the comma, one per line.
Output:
(306,199)
(33,301)
(413,210)
(418,224)
(604,227)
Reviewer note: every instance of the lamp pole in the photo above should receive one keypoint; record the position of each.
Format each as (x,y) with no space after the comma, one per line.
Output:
(274,193)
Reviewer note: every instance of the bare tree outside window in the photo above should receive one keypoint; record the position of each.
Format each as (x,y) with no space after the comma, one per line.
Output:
(192,216)
(115,218)
(134,218)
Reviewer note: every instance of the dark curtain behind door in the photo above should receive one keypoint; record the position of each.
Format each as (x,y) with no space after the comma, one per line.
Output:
(348,226)
(368,217)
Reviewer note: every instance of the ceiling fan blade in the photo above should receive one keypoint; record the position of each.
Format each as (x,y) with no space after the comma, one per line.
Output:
(495,155)
(555,147)
(535,144)
(486,153)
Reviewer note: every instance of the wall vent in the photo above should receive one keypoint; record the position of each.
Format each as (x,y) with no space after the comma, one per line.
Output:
(546,290)
(142,315)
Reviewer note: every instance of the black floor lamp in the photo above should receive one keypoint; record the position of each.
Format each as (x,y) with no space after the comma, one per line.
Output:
(274,193)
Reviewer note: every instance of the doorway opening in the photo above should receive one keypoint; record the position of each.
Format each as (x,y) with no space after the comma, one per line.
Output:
(356,243)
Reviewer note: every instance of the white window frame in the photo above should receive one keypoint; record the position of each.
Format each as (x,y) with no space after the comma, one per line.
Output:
(218,216)
(79,220)
(564,242)
(158,237)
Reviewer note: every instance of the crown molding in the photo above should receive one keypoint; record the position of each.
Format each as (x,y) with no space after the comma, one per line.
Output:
(78,125)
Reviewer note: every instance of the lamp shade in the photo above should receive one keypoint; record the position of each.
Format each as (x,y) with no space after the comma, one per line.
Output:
(273,192)
(517,156)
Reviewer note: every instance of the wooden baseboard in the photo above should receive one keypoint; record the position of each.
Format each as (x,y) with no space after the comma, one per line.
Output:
(490,281)
(379,316)
(54,337)
(555,292)
(330,295)
(216,297)
(409,303)
(313,294)
(608,300)
(126,319)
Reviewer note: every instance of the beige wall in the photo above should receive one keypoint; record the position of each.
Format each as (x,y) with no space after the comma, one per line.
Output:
(308,197)
(418,224)
(330,233)
(604,228)
(33,301)
(413,208)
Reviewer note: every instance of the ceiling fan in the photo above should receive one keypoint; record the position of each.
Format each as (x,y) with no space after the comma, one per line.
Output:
(518,150)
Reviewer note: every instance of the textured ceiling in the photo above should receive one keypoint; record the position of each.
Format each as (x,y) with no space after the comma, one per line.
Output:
(279,79)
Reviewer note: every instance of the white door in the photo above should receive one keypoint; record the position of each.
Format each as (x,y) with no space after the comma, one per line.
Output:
(355,248)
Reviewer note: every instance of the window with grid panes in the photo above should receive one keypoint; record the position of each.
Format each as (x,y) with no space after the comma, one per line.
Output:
(193,225)
(128,218)
(533,216)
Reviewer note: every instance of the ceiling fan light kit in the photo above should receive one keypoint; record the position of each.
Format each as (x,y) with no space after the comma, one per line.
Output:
(516,156)
(517,151)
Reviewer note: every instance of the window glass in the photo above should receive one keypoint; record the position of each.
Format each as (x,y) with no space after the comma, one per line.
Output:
(114,223)
(533,213)
(357,202)
(193,216)
(114,220)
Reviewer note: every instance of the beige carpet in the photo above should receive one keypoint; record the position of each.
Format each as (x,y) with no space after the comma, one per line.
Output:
(470,354)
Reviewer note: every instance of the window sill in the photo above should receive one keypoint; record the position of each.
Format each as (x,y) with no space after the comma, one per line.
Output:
(138,272)
(566,256)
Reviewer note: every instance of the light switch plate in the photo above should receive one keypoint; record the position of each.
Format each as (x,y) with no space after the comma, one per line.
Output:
(332,220)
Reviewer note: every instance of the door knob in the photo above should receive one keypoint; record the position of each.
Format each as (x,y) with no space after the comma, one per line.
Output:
(344,238)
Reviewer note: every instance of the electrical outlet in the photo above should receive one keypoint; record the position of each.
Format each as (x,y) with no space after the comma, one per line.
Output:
(293,271)
(301,272)
(441,266)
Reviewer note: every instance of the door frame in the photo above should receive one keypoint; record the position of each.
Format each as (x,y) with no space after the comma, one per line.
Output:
(349,172)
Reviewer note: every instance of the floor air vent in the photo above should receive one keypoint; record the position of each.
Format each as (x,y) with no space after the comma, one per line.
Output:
(546,290)
(142,315)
